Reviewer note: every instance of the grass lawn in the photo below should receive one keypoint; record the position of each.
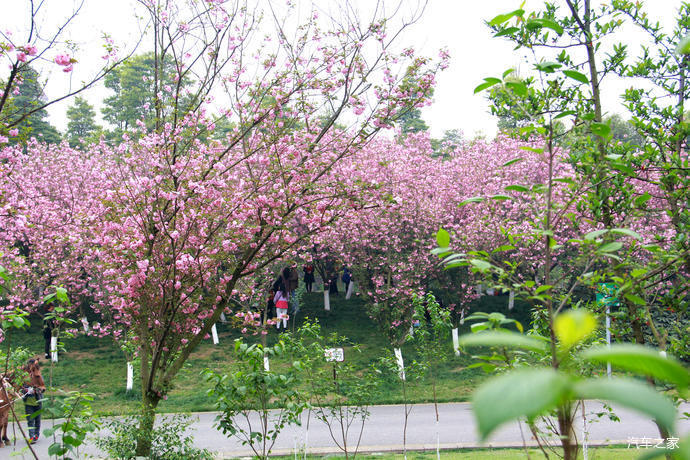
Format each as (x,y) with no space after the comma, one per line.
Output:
(97,366)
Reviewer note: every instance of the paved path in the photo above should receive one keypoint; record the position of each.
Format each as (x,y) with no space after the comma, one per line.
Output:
(384,432)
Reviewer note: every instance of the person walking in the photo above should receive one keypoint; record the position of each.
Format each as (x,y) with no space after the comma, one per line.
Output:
(347,277)
(33,391)
(281,301)
(308,276)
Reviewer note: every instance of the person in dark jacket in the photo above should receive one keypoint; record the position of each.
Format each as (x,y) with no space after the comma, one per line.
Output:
(33,391)
(308,276)
(347,277)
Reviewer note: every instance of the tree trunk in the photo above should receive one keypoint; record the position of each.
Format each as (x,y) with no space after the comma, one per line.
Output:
(145,432)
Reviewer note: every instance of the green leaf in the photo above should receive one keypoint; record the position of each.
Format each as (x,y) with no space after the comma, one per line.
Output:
(542,288)
(548,66)
(510,162)
(480,264)
(636,299)
(56,449)
(575,75)
(532,149)
(623,168)
(641,360)
(631,394)
(610,247)
(516,188)
(506,31)
(600,129)
(538,23)
(518,87)
(500,197)
(565,113)
(595,234)
(474,199)
(488,83)
(628,232)
(522,393)
(684,45)
(61,294)
(642,199)
(502,339)
(443,238)
(573,326)
(501,18)
(638,272)
(503,248)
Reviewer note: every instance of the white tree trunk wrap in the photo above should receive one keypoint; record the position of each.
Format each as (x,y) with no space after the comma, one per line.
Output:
(267,367)
(401,364)
(350,289)
(326,300)
(214,334)
(130,376)
(85,323)
(54,349)
(456,343)
(223,319)
(511,300)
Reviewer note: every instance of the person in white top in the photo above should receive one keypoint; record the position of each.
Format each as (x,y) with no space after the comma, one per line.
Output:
(281,302)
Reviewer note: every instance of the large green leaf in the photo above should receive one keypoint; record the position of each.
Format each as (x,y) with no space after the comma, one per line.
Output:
(601,129)
(632,394)
(518,87)
(488,83)
(684,45)
(575,75)
(443,238)
(641,360)
(573,326)
(521,393)
(538,23)
(510,162)
(474,199)
(501,18)
(502,339)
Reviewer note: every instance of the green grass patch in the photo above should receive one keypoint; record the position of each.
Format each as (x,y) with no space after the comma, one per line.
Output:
(98,366)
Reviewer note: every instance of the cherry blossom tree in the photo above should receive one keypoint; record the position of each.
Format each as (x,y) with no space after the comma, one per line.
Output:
(172,221)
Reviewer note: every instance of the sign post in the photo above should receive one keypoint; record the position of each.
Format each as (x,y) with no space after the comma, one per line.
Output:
(606,297)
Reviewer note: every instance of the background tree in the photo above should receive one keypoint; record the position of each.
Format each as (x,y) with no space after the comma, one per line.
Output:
(81,125)
(25,112)
(412,122)
(135,84)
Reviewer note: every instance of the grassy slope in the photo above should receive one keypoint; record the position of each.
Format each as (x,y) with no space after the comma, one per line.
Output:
(98,366)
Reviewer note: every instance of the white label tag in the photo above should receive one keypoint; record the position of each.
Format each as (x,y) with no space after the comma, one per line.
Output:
(334,354)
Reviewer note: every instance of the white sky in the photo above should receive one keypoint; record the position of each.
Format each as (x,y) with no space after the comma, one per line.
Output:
(457,25)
